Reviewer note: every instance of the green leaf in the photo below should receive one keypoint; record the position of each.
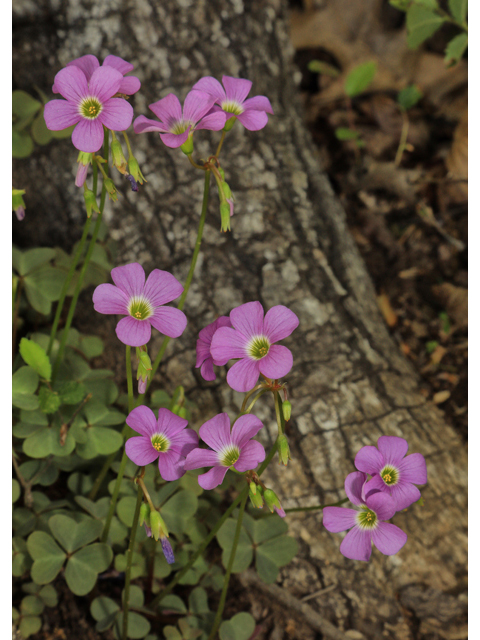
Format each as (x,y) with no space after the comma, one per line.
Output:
(455,49)
(91,346)
(22,144)
(244,553)
(240,627)
(268,528)
(344,133)
(319,66)
(21,561)
(100,441)
(104,610)
(29,625)
(126,509)
(16,491)
(46,441)
(47,281)
(178,510)
(409,96)
(45,473)
(72,535)
(421,24)
(71,392)
(39,130)
(37,300)
(47,555)
(458,9)
(136,598)
(49,595)
(79,483)
(138,626)
(84,566)
(24,385)
(173,603)
(23,105)
(171,633)
(31,606)
(198,601)
(266,568)
(33,259)
(280,550)
(49,400)
(36,357)
(359,78)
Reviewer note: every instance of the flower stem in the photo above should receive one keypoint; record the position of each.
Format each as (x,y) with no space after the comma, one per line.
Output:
(188,281)
(128,363)
(316,507)
(223,597)
(83,270)
(219,148)
(126,591)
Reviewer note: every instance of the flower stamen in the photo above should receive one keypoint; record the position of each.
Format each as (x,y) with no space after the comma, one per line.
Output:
(160,442)
(258,347)
(390,475)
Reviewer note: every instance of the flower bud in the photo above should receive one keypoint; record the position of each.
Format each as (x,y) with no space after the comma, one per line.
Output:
(134,170)
(283,449)
(226,190)
(90,201)
(221,172)
(110,187)
(142,385)
(158,526)
(187,146)
(255,496)
(287,410)
(273,503)
(167,551)
(18,204)
(229,123)
(144,514)
(84,159)
(225,216)
(133,184)
(118,159)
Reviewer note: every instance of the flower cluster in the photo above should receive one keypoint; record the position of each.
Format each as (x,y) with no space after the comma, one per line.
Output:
(390,489)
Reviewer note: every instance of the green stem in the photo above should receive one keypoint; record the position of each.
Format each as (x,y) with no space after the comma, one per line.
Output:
(126,591)
(188,281)
(316,507)
(128,363)
(219,148)
(223,597)
(83,270)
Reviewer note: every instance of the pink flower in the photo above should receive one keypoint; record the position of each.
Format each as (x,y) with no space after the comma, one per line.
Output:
(88,64)
(88,104)
(228,449)
(252,339)
(175,126)
(252,113)
(142,302)
(204,357)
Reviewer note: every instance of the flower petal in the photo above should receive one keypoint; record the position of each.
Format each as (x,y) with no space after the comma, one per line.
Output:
(117,114)
(277,363)
(169,321)
(60,114)
(162,287)
(393,449)
(133,332)
(253,120)
(142,420)
(388,538)
(370,460)
(169,423)
(243,375)
(206,370)
(196,105)
(250,456)
(184,442)
(130,278)
(212,86)
(258,103)
(199,458)
(203,352)
(353,486)
(107,298)
(140,450)
(383,505)
(248,319)
(216,432)
(279,323)
(374,485)
(143,124)
(88,135)
(212,478)
(213,121)
(72,84)
(404,494)
(236,89)
(245,428)
(130,85)
(104,83)
(174,140)
(336,519)
(357,545)
(171,465)
(87,64)
(413,468)
(227,344)
(118,63)
(168,110)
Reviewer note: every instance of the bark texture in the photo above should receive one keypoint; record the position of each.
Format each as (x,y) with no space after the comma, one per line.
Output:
(290,246)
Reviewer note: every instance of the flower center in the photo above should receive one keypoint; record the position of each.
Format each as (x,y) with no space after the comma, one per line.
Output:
(230,106)
(258,347)
(90,108)
(181,126)
(229,455)
(160,442)
(390,475)
(140,308)
(367,519)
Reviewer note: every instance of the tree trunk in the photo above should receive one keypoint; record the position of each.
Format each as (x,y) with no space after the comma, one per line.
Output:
(289,245)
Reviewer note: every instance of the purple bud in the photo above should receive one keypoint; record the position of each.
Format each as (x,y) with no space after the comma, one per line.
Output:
(133,184)
(20,213)
(81,174)
(167,551)
(142,385)
(148,531)
(280,512)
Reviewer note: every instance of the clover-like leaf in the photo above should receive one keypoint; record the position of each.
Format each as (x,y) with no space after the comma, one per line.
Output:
(240,627)
(84,566)
(24,385)
(47,555)
(73,535)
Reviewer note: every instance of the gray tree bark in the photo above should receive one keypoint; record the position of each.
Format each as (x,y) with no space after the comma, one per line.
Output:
(289,245)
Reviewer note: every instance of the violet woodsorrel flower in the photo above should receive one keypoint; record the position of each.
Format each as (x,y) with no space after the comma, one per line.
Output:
(89,105)
(164,438)
(235,448)
(174,126)
(391,471)
(204,357)
(366,525)
(252,113)
(142,302)
(89,63)
(252,339)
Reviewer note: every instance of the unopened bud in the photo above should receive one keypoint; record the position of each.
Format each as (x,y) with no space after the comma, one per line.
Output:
(84,159)
(225,216)
(144,514)
(167,551)
(145,360)
(187,146)
(255,497)
(226,190)
(110,187)
(133,184)
(90,202)
(229,123)
(18,204)
(142,385)
(118,159)
(134,170)
(273,503)
(158,526)
(283,449)
(287,410)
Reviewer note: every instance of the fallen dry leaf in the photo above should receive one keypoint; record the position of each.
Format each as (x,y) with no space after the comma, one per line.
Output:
(441,396)
(386,309)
